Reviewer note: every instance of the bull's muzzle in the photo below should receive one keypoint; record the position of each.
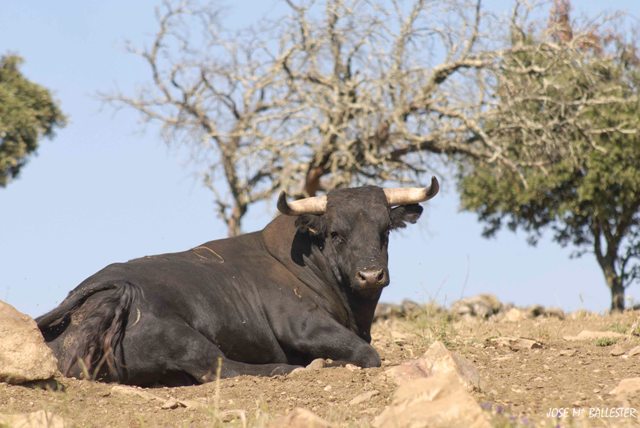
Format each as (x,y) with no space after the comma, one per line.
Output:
(372,278)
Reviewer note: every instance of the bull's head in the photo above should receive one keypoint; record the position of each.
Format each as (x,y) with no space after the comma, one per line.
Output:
(351,228)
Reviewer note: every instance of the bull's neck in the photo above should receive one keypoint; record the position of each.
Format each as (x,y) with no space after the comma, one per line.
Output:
(310,266)
(360,308)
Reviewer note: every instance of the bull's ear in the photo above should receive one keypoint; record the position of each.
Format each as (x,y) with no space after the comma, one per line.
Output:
(403,214)
(312,224)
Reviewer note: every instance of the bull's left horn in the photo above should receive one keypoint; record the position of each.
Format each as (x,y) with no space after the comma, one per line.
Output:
(412,195)
(312,205)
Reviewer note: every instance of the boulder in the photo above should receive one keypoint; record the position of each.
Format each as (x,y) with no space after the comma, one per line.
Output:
(436,401)
(626,387)
(24,357)
(438,360)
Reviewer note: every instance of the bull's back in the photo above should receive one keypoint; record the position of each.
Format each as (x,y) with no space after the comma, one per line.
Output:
(216,288)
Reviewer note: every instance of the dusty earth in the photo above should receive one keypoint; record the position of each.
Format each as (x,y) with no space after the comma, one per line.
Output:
(519,386)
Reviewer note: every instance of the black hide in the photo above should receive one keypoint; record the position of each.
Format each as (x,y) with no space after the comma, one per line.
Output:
(262,303)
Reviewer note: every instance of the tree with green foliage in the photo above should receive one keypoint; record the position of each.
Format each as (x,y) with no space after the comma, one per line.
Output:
(28,112)
(568,113)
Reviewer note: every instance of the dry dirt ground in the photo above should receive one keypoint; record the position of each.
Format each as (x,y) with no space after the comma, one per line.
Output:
(519,387)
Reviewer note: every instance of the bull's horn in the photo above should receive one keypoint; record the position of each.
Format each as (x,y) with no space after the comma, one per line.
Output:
(412,195)
(312,205)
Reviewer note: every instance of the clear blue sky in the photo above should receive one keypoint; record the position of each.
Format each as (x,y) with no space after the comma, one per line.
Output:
(104,191)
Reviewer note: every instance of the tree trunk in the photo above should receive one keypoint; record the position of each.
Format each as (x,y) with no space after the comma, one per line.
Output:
(234,221)
(614,281)
(617,294)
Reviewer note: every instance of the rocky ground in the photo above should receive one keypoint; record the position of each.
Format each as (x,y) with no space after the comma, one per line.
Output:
(534,367)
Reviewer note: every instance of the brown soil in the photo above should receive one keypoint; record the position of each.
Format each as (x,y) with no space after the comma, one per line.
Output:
(519,387)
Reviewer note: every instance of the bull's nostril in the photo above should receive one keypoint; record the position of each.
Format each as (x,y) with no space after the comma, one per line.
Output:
(371,278)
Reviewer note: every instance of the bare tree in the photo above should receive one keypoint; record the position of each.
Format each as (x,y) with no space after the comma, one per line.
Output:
(338,92)
(220,93)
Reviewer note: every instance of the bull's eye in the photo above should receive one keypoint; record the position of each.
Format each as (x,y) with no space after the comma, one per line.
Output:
(337,238)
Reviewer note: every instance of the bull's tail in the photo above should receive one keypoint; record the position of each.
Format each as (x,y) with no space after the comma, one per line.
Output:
(87,329)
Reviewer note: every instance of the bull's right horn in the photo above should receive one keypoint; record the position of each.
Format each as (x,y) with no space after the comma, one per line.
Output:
(412,195)
(311,205)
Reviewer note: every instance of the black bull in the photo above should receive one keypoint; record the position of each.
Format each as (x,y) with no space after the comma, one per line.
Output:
(263,303)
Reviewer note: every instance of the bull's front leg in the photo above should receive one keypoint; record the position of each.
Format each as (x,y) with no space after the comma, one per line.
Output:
(322,337)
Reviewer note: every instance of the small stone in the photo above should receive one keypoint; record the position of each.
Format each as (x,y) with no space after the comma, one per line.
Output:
(617,351)
(327,388)
(132,390)
(634,351)
(515,343)
(171,404)
(316,364)
(352,367)
(364,397)
(231,415)
(567,352)
(192,404)
(297,371)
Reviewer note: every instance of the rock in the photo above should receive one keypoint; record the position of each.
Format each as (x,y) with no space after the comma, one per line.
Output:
(386,311)
(41,418)
(534,311)
(591,335)
(438,360)
(567,352)
(24,357)
(514,315)
(134,390)
(626,387)
(409,307)
(554,313)
(296,372)
(364,397)
(300,418)
(316,364)
(437,401)
(634,351)
(515,343)
(170,404)
(230,415)
(192,404)
(617,350)
(481,306)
